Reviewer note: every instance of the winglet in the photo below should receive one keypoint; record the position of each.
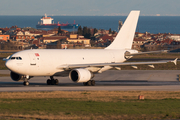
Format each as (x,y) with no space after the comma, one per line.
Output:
(175,61)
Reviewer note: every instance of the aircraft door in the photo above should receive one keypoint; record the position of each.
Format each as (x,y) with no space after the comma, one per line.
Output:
(32,59)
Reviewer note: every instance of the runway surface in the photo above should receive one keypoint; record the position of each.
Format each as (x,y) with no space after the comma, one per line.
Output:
(112,80)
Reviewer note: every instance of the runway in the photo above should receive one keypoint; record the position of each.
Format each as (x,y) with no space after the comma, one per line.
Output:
(112,80)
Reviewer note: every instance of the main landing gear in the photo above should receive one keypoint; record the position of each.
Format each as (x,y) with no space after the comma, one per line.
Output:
(52,81)
(89,83)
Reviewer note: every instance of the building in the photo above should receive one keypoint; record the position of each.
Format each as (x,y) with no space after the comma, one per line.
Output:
(137,43)
(53,39)
(174,37)
(79,40)
(4,37)
(107,37)
(138,34)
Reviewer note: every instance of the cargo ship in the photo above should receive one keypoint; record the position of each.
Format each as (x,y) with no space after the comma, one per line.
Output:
(48,23)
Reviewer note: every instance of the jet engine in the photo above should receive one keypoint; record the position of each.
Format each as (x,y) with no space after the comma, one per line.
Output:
(15,76)
(80,75)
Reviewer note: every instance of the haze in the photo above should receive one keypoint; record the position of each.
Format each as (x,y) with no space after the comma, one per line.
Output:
(90,8)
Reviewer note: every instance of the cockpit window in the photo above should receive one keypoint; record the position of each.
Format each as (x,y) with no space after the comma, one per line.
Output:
(17,58)
(12,58)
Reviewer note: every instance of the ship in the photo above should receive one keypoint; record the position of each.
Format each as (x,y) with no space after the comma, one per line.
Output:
(48,23)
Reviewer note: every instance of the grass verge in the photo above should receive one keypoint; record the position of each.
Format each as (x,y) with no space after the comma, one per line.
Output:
(4,75)
(90,105)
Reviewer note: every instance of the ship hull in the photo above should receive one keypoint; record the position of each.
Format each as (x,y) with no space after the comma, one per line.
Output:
(52,26)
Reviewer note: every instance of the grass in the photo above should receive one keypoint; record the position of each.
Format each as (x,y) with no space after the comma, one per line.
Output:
(2,63)
(90,105)
(158,56)
(55,106)
(4,75)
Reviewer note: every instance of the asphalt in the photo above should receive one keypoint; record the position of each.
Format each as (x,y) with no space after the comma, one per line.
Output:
(112,80)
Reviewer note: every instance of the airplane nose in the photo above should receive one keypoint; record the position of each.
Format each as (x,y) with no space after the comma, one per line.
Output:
(9,64)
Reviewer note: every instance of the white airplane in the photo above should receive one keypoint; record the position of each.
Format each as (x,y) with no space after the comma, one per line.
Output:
(79,64)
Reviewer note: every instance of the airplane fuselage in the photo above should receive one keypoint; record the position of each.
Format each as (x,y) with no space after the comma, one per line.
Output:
(45,62)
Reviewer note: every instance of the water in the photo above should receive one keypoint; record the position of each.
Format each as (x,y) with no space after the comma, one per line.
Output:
(152,24)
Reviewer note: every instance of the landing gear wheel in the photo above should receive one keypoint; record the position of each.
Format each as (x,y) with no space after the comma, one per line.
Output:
(89,83)
(48,82)
(85,83)
(56,81)
(52,81)
(25,83)
(92,83)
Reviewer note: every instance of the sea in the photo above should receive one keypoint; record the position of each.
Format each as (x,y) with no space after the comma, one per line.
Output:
(151,24)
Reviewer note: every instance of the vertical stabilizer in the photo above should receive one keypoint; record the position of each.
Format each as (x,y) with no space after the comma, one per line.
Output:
(124,38)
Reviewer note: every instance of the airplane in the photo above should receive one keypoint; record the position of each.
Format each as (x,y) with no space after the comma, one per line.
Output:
(79,64)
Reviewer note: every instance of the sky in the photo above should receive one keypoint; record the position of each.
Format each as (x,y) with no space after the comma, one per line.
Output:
(90,7)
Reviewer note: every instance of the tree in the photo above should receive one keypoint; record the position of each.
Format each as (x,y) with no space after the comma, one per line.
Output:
(113,32)
(79,32)
(110,31)
(88,35)
(59,30)
(95,31)
(85,31)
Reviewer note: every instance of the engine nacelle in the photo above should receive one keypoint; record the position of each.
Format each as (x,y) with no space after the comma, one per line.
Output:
(15,76)
(80,75)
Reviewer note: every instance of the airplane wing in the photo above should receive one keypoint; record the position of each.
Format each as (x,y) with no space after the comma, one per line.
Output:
(73,66)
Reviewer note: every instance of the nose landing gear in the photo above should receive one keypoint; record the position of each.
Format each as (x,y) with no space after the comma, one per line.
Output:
(26,82)
(52,81)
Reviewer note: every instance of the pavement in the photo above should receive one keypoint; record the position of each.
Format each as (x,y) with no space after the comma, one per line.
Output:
(111,80)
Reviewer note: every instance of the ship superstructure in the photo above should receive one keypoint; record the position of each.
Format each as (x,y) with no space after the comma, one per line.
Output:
(47,22)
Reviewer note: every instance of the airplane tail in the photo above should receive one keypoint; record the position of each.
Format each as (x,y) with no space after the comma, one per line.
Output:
(124,38)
